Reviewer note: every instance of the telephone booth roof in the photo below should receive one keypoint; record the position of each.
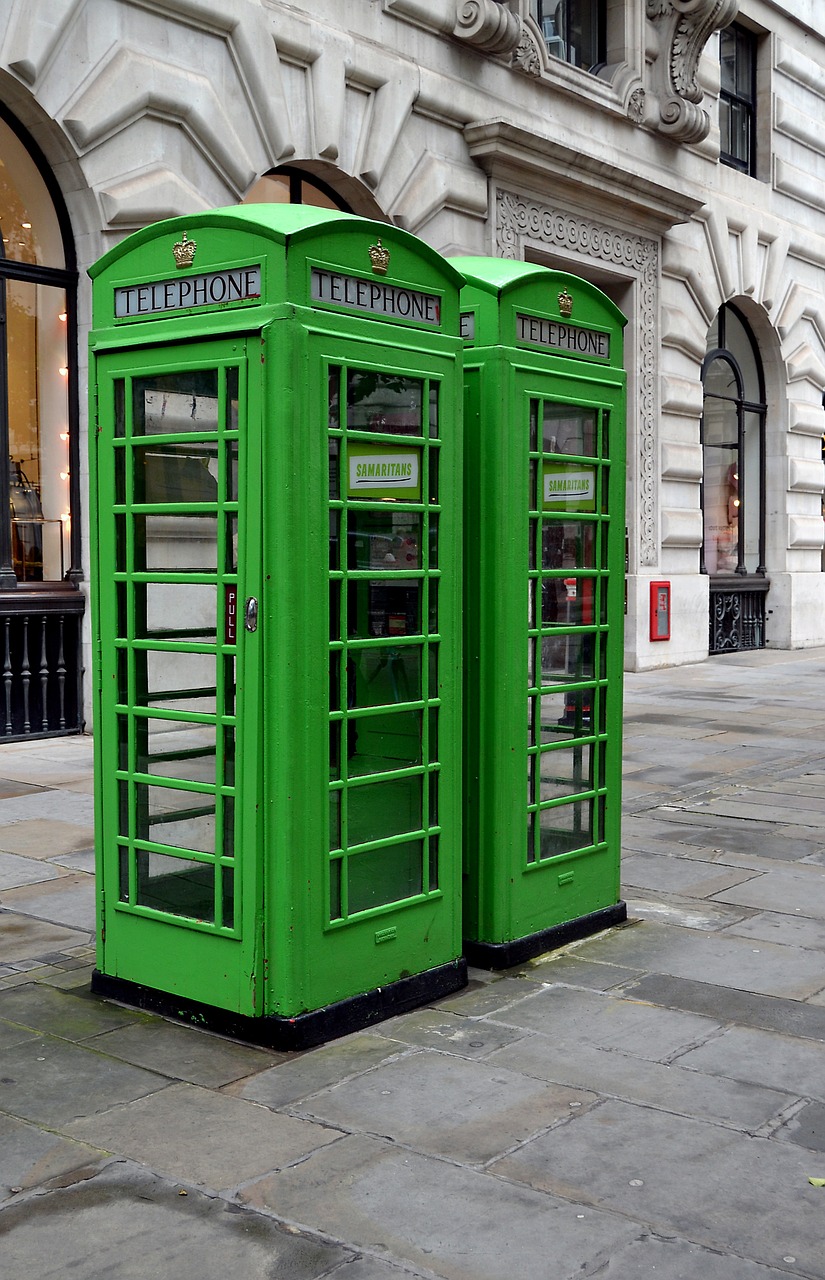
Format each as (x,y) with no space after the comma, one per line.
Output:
(504,294)
(280,239)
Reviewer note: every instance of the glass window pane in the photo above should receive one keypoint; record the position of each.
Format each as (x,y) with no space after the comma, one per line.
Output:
(37,388)
(175,681)
(182,818)
(379,744)
(31,231)
(176,473)
(384,675)
(176,749)
(377,608)
(569,544)
(565,827)
(382,809)
(176,885)
(386,540)
(569,430)
(386,875)
(173,402)
(176,543)
(176,610)
(384,402)
(565,771)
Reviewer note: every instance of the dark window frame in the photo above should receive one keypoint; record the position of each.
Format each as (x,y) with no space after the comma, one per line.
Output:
(744,48)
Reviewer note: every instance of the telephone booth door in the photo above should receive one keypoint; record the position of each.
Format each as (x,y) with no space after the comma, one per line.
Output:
(544,521)
(177,522)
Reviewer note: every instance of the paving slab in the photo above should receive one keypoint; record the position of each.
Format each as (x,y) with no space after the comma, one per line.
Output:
(668,874)
(455,1222)
(45,837)
(669,1087)
(24,937)
(652,1259)
(480,997)
(792,1017)
(70,1015)
(51,1082)
(65,805)
(448,1032)
(15,871)
(125,1223)
(30,1156)
(571,969)
(731,962)
(764,1058)
(219,1141)
(68,899)
(794,890)
(791,930)
(184,1053)
(806,1127)
(653,1168)
(301,1075)
(465,1111)
(570,1016)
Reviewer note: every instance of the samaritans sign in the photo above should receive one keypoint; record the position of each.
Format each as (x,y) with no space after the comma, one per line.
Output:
(384,472)
(567,487)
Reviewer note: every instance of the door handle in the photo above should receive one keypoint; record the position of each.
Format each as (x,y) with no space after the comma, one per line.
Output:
(250,614)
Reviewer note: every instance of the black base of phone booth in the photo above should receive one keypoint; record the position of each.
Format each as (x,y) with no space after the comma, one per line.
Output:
(305,1030)
(503,955)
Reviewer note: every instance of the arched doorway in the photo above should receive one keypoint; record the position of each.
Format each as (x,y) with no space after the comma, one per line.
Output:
(40,603)
(733,484)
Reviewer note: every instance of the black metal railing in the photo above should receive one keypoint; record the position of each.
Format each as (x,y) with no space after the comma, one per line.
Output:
(737,616)
(40,663)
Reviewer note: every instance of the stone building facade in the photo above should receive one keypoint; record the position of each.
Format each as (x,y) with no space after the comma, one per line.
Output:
(670,151)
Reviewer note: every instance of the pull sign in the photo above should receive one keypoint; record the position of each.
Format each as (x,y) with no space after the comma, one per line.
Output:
(230,615)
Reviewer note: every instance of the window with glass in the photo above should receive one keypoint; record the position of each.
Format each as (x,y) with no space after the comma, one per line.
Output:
(737,98)
(384,638)
(291,185)
(733,428)
(567,621)
(38,404)
(573,30)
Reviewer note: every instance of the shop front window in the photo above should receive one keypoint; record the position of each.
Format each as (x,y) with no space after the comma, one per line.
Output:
(38,408)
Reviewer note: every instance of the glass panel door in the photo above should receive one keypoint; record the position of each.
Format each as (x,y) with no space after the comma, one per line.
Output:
(567,626)
(177,677)
(384,638)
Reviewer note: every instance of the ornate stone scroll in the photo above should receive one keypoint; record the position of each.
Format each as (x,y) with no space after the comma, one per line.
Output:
(488,24)
(683,28)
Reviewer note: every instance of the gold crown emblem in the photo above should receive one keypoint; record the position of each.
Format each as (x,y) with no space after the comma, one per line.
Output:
(565,303)
(184,251)
(380,258)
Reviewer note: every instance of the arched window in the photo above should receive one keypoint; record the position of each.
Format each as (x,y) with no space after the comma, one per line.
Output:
(733,445)
(290,185)
(39,537)
(733,485)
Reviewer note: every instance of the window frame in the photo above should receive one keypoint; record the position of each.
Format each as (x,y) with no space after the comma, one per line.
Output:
(745,46)
(598,12)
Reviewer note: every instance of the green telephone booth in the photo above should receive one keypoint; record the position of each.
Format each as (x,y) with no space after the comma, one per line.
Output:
(543,607)
(276,506)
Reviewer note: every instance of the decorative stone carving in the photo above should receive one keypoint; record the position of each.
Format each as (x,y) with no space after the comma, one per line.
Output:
(684,28)
(488,24)
(636,105)
(527,57)
(519,219)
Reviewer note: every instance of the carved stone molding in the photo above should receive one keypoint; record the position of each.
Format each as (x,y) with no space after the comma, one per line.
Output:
(526,57)
(487,24)
(683,28)
(518,220)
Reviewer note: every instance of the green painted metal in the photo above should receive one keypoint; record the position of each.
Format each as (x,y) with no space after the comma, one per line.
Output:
(278,808)
(544,602)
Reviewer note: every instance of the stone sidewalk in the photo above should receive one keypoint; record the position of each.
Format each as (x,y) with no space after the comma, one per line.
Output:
(647,1103)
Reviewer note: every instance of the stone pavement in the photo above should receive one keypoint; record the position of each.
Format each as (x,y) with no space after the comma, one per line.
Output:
(647,1103)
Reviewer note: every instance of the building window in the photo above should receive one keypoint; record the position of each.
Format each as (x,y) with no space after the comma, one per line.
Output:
(737,98)
(289,185)
(574,30)
(733,444)
(38,403)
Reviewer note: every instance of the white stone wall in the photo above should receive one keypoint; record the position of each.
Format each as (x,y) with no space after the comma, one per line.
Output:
(450,119)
